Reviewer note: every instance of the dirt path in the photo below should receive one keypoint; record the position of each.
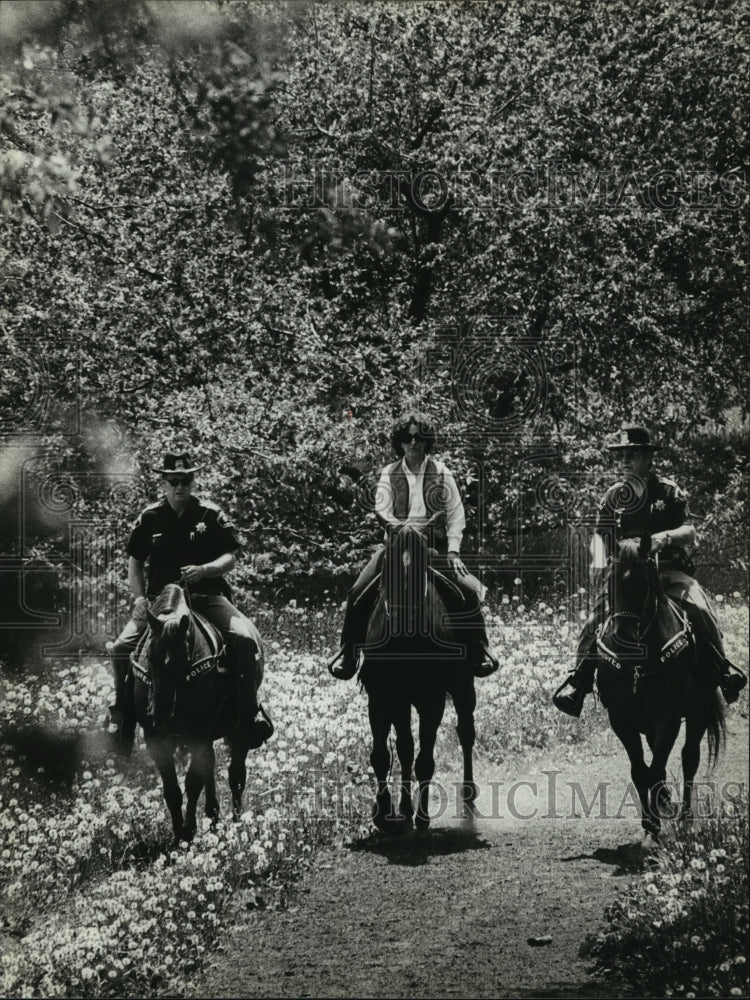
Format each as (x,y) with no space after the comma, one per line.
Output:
(449,914)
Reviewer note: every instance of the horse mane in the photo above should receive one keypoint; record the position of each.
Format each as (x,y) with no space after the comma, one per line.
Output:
(628,551)
(171,601)
(171,606)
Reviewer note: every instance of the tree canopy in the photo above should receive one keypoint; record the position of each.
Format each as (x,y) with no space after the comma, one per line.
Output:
(264,229)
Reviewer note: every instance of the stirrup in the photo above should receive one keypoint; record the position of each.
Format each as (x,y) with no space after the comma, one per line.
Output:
(260,730)
(487,665)
(732,681)
(348,668)
(571,704)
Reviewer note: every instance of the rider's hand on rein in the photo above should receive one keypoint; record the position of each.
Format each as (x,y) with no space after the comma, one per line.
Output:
(192,574)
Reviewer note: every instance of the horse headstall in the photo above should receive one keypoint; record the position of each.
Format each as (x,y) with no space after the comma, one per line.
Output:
(672,648)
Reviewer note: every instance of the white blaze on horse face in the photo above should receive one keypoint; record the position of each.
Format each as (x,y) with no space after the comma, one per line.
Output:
(406,560)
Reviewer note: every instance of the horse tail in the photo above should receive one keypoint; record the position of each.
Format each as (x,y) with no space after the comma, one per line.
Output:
(716,727)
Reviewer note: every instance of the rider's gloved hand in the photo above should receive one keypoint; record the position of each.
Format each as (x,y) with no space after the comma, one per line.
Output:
(140,607)
(658,541)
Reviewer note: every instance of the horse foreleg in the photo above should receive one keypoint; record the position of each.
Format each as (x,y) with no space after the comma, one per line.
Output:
(405,751)
(201,757)
(464,702)
(162,754)
(662,742)
(691,758)
(212,800)
(380,760)
(237,774)
(627,733)
(430,717)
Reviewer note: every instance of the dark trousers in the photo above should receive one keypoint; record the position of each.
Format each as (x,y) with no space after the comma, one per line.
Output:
(465,610)
(689,595)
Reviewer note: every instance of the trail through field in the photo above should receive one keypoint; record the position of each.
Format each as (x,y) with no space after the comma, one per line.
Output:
(451,913)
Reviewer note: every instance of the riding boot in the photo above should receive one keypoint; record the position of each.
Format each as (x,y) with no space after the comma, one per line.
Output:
(481,659)
(122,713)
(710,649)
(731,680)
(255,725)
(349,659)
(582,683)
(353,632)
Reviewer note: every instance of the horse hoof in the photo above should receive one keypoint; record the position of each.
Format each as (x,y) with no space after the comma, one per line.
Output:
(646,848)
(422,822)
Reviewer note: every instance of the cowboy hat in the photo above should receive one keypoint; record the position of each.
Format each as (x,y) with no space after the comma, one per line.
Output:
(177,464)
(633,439)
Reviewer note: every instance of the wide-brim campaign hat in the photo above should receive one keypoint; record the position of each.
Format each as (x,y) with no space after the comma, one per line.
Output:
(181,464)
(633,439)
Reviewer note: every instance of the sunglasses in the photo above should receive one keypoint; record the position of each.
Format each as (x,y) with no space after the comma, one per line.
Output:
(174,481)
(406,438)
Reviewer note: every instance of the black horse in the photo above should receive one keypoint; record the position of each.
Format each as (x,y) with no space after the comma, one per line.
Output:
(181,699)
(413,656)
(650,678)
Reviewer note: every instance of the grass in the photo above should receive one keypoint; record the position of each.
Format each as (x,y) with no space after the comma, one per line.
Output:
(681,930)
(95,902)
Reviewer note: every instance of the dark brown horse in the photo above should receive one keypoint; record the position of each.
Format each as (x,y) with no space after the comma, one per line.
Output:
(413,656)
(182,699)
(650,679)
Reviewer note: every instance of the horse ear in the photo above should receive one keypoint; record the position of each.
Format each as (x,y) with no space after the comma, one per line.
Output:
(156,624)
(644,548)
(184,623)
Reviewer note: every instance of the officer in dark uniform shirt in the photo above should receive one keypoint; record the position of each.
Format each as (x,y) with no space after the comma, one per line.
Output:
(644,501)
(181,539)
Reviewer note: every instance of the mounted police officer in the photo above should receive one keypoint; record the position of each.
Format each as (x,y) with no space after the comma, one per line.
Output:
(412,490)
(646,502)
(181,539)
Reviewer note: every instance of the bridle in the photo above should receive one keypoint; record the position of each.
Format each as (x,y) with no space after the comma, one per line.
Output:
(406,559)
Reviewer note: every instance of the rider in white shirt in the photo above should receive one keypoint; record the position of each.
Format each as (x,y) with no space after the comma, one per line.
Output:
(414,489)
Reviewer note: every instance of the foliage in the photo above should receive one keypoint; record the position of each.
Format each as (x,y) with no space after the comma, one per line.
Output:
(682,929)
(262,229)
(95,903)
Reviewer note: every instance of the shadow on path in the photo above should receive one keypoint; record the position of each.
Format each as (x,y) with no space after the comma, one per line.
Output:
(626,859)
(580,991)
(414,849)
